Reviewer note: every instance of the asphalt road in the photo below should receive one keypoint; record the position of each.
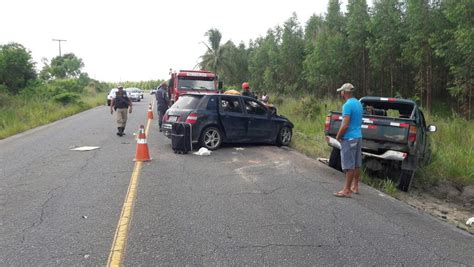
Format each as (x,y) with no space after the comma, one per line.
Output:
(262,205)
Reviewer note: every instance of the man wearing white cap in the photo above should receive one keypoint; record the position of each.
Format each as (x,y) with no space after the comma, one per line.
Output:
(350,137)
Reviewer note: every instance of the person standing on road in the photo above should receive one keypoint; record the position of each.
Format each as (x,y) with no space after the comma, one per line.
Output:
(162,102)
(121,103)
(246,90)
(350,137)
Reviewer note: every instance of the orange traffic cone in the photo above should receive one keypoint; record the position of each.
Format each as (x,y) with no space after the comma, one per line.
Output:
(150,112)
(142,153)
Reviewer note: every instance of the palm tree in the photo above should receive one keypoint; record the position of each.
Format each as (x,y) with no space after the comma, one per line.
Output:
(215,57)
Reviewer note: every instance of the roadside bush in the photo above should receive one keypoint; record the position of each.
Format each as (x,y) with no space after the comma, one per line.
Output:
(276,100)
(67,98)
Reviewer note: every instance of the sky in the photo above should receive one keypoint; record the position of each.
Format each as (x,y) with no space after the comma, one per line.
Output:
(141,39)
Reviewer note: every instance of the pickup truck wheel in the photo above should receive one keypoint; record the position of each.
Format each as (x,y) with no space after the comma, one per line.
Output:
(211,138)
(335,159)
(406,177)
(284,136)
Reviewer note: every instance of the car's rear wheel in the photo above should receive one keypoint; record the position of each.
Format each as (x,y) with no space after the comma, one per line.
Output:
(406,177)
(211,138)
(284,136)
(335,159)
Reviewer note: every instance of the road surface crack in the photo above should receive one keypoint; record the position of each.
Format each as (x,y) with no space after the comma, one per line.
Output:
(51,194)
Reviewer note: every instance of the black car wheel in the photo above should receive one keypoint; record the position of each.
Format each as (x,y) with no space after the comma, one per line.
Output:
(284,136)
(406,176)
(211,138)
(335,159)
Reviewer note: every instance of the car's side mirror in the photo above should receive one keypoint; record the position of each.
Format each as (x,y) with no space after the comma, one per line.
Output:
(432,128)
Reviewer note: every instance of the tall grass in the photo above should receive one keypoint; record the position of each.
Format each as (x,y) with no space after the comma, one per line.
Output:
(308,115)
(453,151)
(452,145)
(20,113)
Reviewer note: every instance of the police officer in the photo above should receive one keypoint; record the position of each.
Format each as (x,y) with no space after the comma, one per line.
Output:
(162,101)
(121,103)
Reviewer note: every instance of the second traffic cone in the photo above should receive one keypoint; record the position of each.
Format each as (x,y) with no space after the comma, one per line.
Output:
(150,112)
(142,153)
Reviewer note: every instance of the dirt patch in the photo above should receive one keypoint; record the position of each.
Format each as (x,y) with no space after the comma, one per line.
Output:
(444,209)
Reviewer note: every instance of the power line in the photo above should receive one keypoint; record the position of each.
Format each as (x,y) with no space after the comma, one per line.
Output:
(59,41)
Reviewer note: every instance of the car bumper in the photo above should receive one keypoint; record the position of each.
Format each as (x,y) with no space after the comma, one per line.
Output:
(388,155)
(166,128)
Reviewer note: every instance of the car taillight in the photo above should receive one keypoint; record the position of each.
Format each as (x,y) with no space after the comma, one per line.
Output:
(192,118)
(412,134)
(166,118)
(327,123)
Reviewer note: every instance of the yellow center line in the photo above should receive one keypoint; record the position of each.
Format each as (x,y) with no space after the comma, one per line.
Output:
(119,244)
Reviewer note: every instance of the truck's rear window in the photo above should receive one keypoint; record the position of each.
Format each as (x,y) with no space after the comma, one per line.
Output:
(388,109)
(188,102)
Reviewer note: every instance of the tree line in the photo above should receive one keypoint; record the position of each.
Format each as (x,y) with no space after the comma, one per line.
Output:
(418,49)
(61,78)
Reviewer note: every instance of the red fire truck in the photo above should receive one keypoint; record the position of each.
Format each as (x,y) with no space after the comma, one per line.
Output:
(192,81)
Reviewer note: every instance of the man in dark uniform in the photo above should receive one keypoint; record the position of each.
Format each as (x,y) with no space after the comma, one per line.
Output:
(121,103)
(162,102)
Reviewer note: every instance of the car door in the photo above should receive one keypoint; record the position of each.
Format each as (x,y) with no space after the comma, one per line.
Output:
(232,117)
(260,124)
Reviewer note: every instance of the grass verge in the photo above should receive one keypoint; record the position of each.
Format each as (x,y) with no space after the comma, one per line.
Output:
(19,114)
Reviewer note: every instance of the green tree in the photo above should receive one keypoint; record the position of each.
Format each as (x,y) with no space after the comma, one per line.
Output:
(417,50)
(238,58)
(313,28)
(16,67)
(215,57)
(292,54)
(326,66)
(456,47)
(66,66)
(357,35)
(264,62)
(384,44)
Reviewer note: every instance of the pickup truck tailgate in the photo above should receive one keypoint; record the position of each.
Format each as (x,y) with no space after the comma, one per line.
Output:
(377,128)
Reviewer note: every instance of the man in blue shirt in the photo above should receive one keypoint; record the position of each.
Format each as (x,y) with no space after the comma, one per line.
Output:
(350,137)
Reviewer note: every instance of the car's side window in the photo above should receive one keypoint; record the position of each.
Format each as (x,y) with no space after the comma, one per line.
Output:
(254,108)
(212,103)
(230,104)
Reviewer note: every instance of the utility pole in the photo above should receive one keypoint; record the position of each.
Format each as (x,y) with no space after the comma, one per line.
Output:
(59,41)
